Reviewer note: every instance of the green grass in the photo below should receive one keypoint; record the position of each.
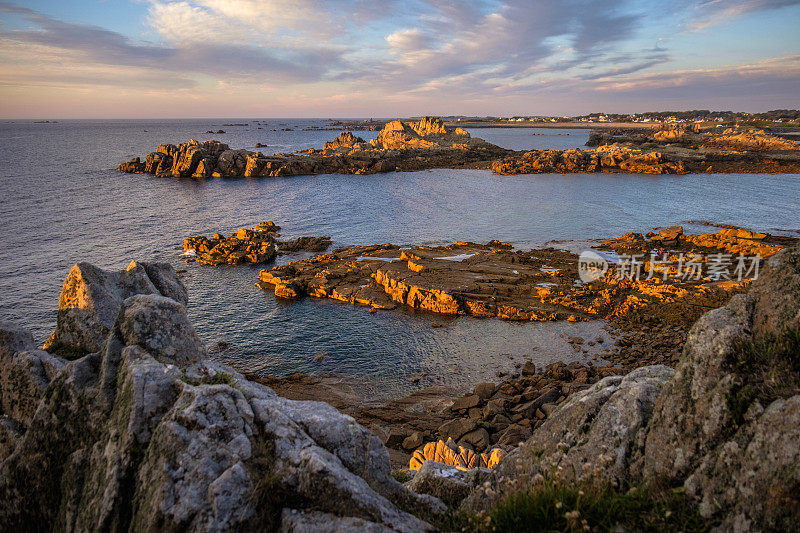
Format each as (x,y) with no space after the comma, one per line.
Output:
(562,506)
(767,368)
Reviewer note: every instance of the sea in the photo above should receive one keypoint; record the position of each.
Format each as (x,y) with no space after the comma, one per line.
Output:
(62,201)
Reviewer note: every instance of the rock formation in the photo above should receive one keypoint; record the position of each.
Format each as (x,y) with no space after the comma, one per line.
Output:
(345,140)
(607,158)
(399,146)
(493,281)
(748,139)
(248,245)
(146,433)
(449,453)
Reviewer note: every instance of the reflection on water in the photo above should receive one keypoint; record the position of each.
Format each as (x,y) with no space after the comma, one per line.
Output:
(63,202)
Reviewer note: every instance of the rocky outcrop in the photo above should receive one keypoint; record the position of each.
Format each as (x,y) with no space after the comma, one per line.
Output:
(347,141)
(429,126)
(676,132)
(446,482)
(451,454)
(748,139)
(606,158)
(493,281)
(399,146)
(245,245)
(711,430)
(733,240)
(91,297)
(147,433)
(248,245)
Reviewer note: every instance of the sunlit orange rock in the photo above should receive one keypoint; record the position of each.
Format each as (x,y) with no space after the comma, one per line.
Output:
(451,454)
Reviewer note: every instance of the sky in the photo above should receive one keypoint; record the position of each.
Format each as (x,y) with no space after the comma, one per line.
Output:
(394,58)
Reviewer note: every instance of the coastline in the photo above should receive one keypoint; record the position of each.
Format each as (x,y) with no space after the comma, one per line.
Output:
(429,144)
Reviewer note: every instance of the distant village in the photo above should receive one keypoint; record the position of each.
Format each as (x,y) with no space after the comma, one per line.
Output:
(789,117)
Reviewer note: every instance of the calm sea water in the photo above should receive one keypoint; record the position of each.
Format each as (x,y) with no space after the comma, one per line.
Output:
(62,201)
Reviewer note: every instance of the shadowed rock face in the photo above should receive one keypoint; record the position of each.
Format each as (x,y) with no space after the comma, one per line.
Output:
(147,434)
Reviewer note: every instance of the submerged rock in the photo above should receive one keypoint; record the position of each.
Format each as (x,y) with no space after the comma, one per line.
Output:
(149,434)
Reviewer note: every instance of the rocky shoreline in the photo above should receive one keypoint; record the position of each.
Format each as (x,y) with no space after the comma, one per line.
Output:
(492,280)
(672,149)
(428,144)
(651,316)
(127,422)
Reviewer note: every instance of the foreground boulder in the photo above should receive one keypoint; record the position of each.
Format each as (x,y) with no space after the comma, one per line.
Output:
(602,425)
(148,434)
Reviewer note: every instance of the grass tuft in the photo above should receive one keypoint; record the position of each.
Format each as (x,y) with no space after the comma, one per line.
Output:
(768,369)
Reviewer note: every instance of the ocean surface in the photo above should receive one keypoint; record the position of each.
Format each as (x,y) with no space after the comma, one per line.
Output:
(62,201)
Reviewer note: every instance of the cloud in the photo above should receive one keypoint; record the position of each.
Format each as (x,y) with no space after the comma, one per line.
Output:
(216,58)
(709,13)
(778,76)
(452,52)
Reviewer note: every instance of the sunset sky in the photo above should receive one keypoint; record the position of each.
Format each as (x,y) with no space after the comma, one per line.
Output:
(360,58)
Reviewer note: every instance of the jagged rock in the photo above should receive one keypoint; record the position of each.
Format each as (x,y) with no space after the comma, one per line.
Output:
(669,235)
(777,294)
(346,140)
(134,166)
(452,454)
(429,126)
(147,434)
(91,298)
(25,373)
(23,378)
